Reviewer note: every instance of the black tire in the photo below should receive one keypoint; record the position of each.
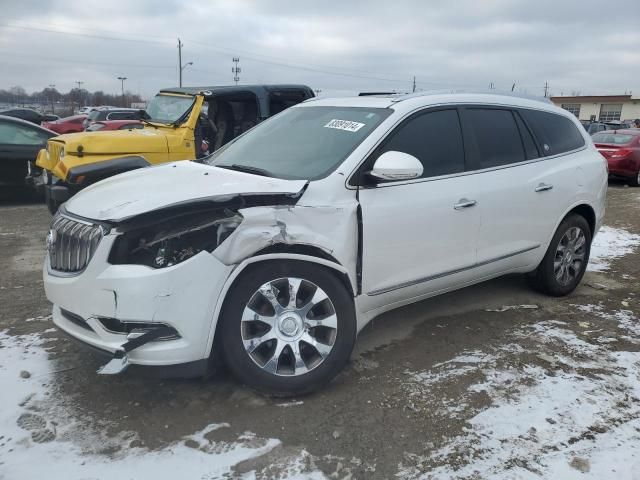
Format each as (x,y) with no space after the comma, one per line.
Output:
(635,181)
(239,361)
(543,278)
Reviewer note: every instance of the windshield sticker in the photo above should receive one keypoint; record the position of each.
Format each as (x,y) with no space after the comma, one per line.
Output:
(347,125)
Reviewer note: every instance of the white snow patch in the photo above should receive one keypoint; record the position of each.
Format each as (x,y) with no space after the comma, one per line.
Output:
(74,453)
(543,418)
(610,243)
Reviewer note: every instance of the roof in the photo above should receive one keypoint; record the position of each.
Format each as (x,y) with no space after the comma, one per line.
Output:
(422,99)
(228,89)
(19,121)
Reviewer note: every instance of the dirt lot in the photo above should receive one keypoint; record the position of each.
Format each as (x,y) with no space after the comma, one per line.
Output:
(454,387)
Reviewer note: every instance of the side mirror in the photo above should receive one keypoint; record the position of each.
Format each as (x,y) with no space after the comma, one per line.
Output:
(396,166)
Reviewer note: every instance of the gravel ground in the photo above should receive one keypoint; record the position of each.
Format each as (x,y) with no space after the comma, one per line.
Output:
(454,387)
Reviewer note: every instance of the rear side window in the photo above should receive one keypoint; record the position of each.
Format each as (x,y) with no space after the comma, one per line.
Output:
(122,116)
(496,137)
(556,134)
(434,138)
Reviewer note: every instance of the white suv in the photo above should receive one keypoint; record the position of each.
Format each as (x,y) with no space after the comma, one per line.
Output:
(276,250)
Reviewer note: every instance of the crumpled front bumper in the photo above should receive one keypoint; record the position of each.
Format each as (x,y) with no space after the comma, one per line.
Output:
(183,296)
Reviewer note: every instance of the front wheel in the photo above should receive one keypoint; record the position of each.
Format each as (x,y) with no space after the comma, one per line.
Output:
(635,181)
(565,262)
(288,327)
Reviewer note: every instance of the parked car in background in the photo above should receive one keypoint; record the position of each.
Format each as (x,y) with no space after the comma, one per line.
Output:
(20,142)
(106,125)
(71,124)
(595,127)
(277,249)
(621,148)
(179,124)
(109,113)
(29,115)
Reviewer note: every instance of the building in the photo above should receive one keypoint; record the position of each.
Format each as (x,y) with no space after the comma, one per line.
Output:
(604,108)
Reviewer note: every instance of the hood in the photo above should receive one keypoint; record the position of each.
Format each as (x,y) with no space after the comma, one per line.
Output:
(176,184)
(144,140)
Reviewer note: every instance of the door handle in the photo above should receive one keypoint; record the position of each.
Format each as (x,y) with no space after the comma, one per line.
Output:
(464,203)
(543,187)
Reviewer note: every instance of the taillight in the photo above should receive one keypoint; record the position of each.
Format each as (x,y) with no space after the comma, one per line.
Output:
(621,153)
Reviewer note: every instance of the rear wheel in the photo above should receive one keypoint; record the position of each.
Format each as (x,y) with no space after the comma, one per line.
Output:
(635,181)
(287,327)
(565,262)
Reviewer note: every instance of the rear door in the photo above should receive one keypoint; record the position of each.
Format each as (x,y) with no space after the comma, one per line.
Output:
(526,180)
(508,217)
(19,144)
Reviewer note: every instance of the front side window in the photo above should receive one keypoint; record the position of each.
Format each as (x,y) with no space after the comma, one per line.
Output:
(496,137)
(556,133)
(169,108)
(434,138)
(303,143)
(11,134)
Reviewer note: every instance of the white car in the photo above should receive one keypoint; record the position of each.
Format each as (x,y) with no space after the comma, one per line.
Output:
(279,248)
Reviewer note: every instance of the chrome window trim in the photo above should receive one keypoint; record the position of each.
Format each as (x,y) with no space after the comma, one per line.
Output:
(411,283)
(442,106)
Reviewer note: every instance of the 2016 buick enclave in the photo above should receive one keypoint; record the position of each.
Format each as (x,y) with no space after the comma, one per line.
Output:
(274,252)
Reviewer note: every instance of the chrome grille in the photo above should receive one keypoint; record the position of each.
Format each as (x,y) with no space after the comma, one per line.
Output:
(71,244)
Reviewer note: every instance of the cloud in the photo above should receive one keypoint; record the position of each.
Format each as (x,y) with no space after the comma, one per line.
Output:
(339,47)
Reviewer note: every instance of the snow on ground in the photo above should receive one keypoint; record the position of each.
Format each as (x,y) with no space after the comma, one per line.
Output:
(610,243)
(40,438)
(574,412)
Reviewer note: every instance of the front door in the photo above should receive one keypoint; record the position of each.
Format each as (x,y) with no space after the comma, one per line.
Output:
(418,234)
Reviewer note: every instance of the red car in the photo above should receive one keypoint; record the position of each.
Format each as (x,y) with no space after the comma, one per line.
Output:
(66,125)
(621,148)
(104,125)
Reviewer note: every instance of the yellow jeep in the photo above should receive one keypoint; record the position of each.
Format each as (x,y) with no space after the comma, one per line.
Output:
(179,124)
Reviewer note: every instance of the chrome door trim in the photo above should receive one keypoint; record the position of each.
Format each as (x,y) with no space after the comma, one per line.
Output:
(450,272)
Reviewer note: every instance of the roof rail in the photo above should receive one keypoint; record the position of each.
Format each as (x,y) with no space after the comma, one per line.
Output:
(424,93)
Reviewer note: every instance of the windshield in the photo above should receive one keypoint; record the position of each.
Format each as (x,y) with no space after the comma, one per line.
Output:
(301,143)
(169,108)
(94,114)
(612,138)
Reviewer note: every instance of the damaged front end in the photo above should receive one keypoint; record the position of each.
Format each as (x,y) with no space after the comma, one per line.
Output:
(170,241)
(161,240)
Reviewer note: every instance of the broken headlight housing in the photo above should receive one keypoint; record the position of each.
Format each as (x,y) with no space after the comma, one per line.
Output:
(169,241)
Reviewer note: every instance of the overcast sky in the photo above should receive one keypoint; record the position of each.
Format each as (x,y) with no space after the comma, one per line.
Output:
(340,47)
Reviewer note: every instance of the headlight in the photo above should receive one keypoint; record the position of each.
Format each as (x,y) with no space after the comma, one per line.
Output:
(173,240)
(61,153)
(94,127)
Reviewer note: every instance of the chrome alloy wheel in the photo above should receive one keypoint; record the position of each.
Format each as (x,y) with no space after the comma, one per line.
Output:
(289,326)
(570,256)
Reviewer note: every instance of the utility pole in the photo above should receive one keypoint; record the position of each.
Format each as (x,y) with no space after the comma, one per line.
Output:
(52,87)
(122,79)
(513,87)
(236,70)
(414,84)
(492,86)
(81,102)
(180,44)
(546,89)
